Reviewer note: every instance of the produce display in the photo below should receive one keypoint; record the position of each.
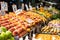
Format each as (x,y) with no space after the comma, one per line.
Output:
(5,35)
(23,22)
(43,12)
(20,24)
(33,16)
(53,27)
(56,16)
(51,31)
(54,23)
(55,12)
(14,24)
(47,37)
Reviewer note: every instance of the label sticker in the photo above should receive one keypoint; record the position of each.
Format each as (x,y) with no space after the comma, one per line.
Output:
(53,38)
(29,20)
(4,6)
(30,7)
(18,11)
(26,6)
(14,7)
(37,7)
(22,6)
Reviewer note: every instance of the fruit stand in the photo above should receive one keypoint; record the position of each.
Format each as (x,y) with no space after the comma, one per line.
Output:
(36,24)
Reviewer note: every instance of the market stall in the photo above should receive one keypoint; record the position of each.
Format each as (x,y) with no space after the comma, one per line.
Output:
(35,23)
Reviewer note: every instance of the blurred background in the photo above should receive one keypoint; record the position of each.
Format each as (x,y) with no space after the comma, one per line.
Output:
(33,3)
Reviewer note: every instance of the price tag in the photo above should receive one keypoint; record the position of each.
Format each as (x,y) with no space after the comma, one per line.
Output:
(33,35)
(53,38)
(18,11)
(14,7)
(22,6)
(30,7)
(40,5)
(50,7)
(26,6)
(26,38)
(29,20)
(37,7)
(4,6)
(21,38)
(39,39)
